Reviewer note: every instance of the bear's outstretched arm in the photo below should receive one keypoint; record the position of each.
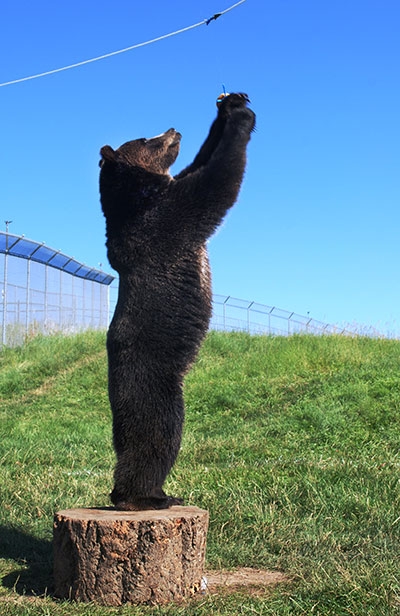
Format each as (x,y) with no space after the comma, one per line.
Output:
(209,187)
(206,150)
(216,133)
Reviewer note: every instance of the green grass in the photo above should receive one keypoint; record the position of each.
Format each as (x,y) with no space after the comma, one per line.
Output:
(292,444)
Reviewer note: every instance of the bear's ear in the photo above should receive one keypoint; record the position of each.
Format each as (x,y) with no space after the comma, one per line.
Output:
(106,153)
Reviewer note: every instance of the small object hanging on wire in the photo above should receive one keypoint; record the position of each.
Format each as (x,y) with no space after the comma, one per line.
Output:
(216,15)
(221,97)
(212,18)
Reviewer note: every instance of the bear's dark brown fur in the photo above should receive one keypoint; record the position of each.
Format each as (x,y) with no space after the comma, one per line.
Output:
(157,228)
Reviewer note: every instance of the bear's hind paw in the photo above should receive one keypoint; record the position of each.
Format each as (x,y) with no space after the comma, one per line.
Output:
(146,503)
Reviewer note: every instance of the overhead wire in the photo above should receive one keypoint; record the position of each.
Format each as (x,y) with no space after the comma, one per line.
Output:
(119,51)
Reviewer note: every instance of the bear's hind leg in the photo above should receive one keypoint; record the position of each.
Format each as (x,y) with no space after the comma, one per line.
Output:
(146,454)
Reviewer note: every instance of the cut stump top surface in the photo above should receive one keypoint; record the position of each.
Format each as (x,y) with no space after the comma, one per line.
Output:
(113,515)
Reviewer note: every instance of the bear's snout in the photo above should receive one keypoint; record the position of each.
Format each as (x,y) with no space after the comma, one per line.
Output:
(173,137)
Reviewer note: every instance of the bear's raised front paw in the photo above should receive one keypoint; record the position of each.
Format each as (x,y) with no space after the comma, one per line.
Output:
(243,97)
(231,101)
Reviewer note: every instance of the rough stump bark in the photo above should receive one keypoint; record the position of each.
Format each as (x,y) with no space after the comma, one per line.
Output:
(116,557)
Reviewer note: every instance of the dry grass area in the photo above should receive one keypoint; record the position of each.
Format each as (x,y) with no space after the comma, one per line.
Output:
(252,581)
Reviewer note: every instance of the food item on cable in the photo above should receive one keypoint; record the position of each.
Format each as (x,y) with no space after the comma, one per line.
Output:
(221,97)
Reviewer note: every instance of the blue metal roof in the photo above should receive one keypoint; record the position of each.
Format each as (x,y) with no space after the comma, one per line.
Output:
(20,246)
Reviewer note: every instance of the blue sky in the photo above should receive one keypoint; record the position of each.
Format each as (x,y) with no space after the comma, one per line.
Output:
(316,227)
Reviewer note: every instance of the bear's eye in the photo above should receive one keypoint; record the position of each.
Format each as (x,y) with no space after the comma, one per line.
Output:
(143,141)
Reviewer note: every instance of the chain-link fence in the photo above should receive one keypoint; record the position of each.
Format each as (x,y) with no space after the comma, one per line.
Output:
(232,314)
(44,291)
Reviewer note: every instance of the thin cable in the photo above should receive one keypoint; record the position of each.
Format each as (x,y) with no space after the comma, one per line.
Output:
(114,53)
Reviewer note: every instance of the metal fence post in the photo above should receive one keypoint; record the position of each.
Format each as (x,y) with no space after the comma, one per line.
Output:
(5,282)
(60,302)
(248,316)
(94,317)
(46,267)
(288,321)
(28,296)
(269,319)
(224,311)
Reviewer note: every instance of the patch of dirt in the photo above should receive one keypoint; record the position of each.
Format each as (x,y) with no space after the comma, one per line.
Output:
(254,581)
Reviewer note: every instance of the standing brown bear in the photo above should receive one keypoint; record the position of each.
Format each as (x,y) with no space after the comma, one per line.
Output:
(157,229)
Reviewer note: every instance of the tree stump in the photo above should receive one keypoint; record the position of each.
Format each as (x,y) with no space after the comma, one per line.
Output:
(116,557)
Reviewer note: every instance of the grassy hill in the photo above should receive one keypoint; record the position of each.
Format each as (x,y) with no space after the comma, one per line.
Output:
(292,444)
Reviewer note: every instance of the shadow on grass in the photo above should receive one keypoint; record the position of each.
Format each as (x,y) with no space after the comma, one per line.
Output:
(34,559)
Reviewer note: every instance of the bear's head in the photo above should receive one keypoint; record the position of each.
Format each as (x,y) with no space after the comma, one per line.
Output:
(155,155)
